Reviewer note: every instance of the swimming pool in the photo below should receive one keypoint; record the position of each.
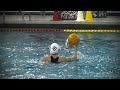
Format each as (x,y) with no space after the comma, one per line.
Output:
(98,56)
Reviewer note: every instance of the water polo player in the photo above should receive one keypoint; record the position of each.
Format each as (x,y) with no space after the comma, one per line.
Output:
(55,49)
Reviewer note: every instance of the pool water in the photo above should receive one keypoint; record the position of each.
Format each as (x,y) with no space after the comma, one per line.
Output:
(98,56)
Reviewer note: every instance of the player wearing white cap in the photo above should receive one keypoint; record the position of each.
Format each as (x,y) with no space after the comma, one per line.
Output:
(55,49)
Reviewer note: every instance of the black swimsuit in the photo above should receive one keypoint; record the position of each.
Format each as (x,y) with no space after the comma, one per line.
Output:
(54,60)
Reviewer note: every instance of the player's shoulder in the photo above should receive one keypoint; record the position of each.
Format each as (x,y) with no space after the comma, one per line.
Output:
(47,57)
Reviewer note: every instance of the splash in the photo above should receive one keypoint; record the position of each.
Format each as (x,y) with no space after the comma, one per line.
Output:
(80,55)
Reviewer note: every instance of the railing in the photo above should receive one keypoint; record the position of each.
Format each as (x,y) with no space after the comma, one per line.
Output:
(22,13)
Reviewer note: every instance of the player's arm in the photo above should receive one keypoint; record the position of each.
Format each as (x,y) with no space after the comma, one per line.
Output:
(73,57)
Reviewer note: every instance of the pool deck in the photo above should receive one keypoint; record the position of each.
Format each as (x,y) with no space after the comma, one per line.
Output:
(46,22)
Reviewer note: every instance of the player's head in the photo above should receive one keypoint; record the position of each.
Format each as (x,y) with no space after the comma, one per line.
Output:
(54,48)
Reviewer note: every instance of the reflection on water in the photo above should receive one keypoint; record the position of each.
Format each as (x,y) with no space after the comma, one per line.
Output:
(98,56)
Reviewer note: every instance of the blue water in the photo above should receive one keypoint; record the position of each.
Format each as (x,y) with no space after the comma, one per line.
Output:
(98,56)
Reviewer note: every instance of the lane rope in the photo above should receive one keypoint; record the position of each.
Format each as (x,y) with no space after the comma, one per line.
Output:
(55,30)
(86,31)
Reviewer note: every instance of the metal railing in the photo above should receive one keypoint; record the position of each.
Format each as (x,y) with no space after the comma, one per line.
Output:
(23,13)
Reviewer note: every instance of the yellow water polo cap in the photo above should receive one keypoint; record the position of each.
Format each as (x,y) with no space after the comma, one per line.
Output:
(73,38)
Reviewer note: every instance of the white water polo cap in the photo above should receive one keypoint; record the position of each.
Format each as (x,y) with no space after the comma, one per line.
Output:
(54,48)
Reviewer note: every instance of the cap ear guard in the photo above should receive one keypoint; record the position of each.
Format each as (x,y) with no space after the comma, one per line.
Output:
(66,43)
(49,47)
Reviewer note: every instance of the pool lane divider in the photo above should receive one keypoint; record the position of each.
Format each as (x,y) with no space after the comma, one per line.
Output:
(54,30)
(93,31)
(29,30)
